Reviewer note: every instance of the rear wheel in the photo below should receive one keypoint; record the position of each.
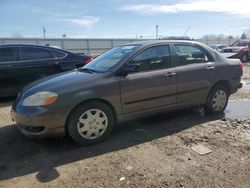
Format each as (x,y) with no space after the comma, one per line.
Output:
(244,58)
(90,123)
(217,100)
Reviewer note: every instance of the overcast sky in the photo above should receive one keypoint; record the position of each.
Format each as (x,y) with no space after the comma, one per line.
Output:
(123,18)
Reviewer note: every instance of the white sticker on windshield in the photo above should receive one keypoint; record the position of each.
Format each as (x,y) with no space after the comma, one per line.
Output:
(128,47)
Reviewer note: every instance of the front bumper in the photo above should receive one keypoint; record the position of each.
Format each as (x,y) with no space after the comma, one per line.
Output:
(39,122)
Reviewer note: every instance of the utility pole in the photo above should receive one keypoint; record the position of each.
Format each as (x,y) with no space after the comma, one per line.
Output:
(156,31)
(44,32)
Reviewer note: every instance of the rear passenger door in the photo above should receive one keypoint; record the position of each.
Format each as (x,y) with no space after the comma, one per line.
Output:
(35,63)
(154,86)
(194,74)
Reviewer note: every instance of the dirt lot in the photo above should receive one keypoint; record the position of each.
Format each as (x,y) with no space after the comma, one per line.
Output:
(154,152)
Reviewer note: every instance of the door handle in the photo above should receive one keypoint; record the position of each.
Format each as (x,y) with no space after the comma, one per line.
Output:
(210,68)
(156,62)
(169,74)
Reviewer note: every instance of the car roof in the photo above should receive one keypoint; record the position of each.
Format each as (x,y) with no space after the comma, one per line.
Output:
(32,45)
(151,42)
(146,43)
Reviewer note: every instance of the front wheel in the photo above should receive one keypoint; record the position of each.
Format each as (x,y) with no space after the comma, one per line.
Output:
(217,100)
(90,123)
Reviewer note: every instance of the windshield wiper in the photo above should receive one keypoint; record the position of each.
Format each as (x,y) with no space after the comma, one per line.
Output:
(87,70)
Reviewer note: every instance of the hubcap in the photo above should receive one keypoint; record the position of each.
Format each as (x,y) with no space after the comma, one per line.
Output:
(219,100)
(92,124)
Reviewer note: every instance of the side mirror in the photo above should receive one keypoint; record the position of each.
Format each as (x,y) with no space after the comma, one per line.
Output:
(197,54)
(129,68)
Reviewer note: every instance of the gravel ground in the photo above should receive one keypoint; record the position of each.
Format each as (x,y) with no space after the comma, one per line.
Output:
(152,152)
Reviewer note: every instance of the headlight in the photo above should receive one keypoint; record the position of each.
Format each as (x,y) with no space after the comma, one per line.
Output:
(40,99)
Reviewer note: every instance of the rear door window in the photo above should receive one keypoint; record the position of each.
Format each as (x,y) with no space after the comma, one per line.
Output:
(58,54)
(8,54)
(191,54)
(29,53)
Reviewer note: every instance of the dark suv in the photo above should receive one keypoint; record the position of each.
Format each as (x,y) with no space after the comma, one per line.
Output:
(22,64)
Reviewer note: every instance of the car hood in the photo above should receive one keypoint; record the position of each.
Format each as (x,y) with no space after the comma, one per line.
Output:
(62,82)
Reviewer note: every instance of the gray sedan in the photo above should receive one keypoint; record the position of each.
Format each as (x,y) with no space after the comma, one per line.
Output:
(131,81)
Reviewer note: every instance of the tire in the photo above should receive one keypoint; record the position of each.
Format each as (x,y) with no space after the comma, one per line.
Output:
(90,123)
(217,100)
(244,58)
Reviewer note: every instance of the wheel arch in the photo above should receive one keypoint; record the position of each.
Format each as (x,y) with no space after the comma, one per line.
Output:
(224,83)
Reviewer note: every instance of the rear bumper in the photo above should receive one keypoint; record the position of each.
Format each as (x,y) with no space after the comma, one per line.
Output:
(236,87)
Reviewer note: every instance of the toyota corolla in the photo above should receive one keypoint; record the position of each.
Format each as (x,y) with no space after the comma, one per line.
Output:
(131,81)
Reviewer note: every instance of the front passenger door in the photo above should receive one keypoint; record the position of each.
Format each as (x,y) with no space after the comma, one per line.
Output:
(154,86)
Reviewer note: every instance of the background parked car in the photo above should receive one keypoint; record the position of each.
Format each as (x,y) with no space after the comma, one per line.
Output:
(239,49)
(22,64)
(176,38)
(218,47)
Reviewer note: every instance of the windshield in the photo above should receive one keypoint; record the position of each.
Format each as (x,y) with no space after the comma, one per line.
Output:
(109,59)
(240,43)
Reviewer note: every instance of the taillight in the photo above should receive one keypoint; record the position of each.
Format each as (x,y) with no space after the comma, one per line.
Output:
(88,60)
(241,66)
